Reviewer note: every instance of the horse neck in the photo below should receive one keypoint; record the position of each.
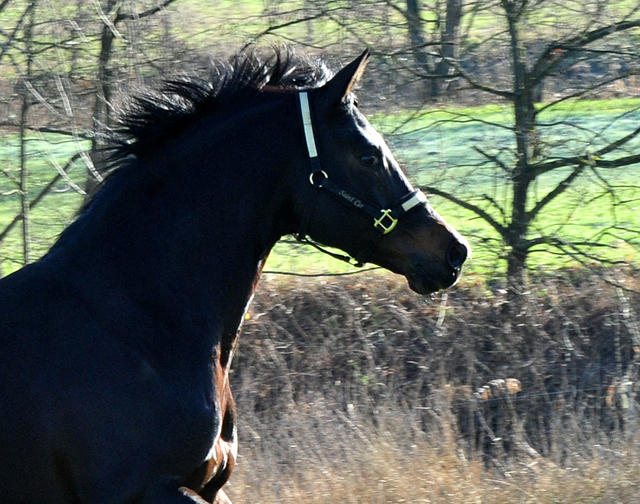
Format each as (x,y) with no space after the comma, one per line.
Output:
(188,251)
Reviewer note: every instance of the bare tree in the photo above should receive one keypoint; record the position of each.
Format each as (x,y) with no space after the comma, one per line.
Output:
(536,57)
(533,56)
(112,14)
(426,31)
(532,155)
(434,52)
(23,34)
(66,77)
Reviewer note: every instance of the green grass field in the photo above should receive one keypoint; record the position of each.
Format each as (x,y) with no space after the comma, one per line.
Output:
(435,149)
(54,211)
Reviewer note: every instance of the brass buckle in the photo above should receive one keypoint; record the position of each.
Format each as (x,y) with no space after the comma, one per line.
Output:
(386,226)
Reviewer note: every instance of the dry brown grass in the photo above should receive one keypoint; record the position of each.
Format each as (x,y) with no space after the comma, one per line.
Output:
(356,391)
(331,459)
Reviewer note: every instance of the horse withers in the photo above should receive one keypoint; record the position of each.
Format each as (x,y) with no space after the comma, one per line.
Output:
(115,347)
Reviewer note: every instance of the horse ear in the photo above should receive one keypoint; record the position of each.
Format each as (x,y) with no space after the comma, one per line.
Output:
(339,87)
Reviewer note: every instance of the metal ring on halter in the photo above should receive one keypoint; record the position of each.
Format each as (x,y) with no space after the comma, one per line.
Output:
(321,172)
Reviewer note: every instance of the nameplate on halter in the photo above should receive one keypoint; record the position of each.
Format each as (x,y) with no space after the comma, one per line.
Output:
(351,199)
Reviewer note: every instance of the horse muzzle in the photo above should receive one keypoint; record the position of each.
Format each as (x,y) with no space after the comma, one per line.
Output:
(429,254)
(428,278)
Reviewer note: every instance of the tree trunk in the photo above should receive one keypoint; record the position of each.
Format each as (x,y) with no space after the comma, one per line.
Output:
(104,92)
(517,278)
(24,179)
(24,118)
(522,175)
(418,44)
(450,50)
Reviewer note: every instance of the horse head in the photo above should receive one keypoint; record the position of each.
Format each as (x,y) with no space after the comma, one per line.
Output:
(357,198)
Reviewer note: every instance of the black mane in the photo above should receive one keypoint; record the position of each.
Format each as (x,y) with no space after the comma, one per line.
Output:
(160,113)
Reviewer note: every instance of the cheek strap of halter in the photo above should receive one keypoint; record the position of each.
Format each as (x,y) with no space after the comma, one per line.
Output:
(384,219)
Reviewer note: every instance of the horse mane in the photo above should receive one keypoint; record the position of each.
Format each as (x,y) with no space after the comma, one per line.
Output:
(158,114)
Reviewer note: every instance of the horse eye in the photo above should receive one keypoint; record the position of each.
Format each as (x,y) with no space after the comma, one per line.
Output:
(369,160)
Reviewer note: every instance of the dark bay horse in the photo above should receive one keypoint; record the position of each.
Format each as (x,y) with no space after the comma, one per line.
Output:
(115,347)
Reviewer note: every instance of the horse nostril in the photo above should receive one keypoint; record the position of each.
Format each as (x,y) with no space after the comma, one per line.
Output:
(457,254)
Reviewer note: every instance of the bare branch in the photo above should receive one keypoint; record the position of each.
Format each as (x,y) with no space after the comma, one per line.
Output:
(40,195)
(618,143)
(478,85)
(139,15)
(581,92)
(558,51)
(493,159)
(577,251)
(593,159)
(469,206)
(495,204)
(557,191)
(11,37)
(287,24)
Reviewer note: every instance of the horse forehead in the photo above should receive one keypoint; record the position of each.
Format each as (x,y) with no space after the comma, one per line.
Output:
(375,138)
(357,124)
(372,133)
(364,128)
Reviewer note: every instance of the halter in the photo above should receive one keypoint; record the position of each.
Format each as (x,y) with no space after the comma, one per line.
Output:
(384,219)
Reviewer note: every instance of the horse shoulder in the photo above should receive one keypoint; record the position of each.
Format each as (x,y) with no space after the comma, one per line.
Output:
(87,396)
